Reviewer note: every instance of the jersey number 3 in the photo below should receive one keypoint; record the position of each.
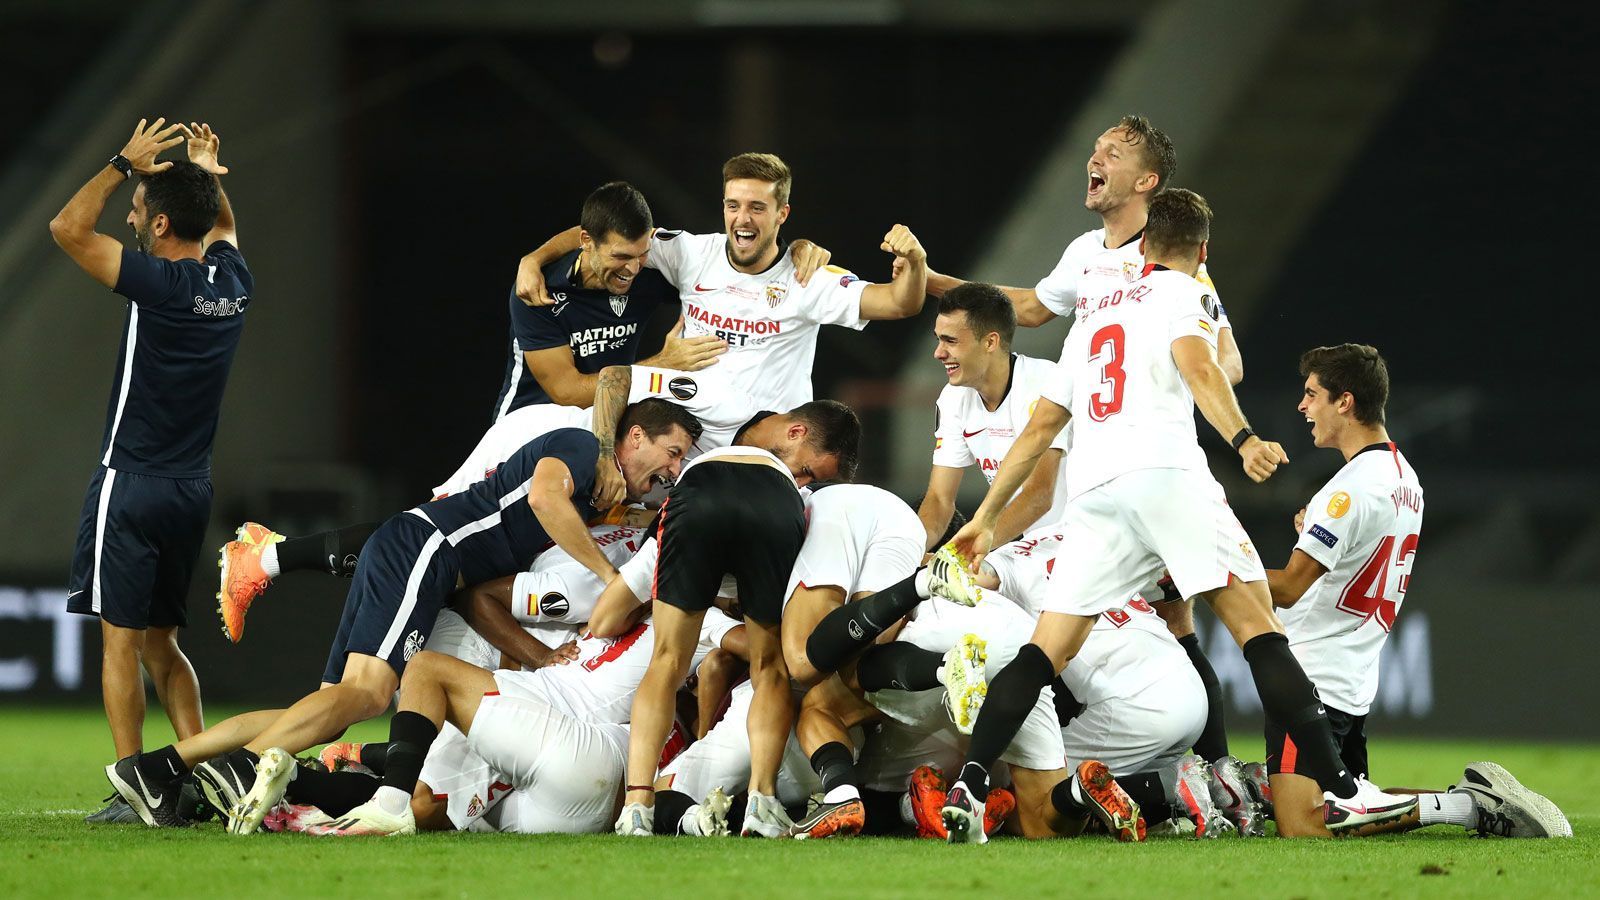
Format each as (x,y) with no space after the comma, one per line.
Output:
(1108,347)
(1367,594)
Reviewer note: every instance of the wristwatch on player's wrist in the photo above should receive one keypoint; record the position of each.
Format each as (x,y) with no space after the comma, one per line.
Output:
(121,164)
(1244,434)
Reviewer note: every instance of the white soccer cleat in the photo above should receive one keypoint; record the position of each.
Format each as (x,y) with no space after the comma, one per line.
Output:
(288,816)
(1369,806)
(1192,798)
(273,774)
(948,578)
(369,819)
(965,681)
(637,820)
(711,815)
(1235,795)
(1506,808)
(963,816)
(765,817)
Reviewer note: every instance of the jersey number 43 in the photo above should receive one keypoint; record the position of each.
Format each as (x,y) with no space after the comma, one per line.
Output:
(1367,595)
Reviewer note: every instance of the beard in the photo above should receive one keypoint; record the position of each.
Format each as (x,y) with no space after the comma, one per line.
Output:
(143,237)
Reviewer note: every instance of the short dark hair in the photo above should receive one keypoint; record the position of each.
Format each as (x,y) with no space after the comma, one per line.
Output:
(987,308)
(1159,154)
(187,195)
(657,416)
(616,208)
(835,429)
(1354,369)
(761,167)
(1179,220)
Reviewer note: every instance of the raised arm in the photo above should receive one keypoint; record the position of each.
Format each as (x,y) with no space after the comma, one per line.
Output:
(550,498)
(530,277)
(74,226)
(903,297)
(1030,312)
(1197,363)
(203,146)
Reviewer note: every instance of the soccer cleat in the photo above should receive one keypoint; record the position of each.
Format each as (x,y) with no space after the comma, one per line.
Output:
(1110,803)
(1256,774)
(711,814)
(225,779)
(764,816)
(343,756)
(927,792)
(1369,806)
(637,820)
(1191,797)
(368,819)
(243,579)
(1000,804)
(839,819)
(1506,808)
(288,816)
(155,801)
(948,578)
(963,816)
(965,681)
(1237,797)
(117,811)
(273,774)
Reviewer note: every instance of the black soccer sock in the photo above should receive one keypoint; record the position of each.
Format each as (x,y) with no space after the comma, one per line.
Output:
(375,756)
(334,552)
(410,736)
(736,811)
(1068,707)
(1212,744)
(164,764)
(1150,792)
(853,627)
(836,766)
(883,812)
(335,793)
(900,666)
(1066,801)
(1012,695)
(670,807)
(1289,699)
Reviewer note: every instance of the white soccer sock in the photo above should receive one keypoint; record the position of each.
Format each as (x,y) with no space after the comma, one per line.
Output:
(392,800)
(1077,791)
(269,560)
(690,824)
(906,814)
(921,583)
(1448,808)
(842,792)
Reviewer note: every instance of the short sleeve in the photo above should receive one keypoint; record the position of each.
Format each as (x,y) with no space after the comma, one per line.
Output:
(949,442)
(671,253)
(549,596)
(1204,277)
(147,280)
(536,327)
(1059,387)
(1058,291)
(1330,525)
(1190,312)
(639,573)
(833,298)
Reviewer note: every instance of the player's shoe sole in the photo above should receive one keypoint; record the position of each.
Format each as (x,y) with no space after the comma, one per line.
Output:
(963,817)
(242,579)
(1109,802)
(927,791)
(949,579)
(273,774)
(965,681)
(840,819)
(1509,808)
(712,816)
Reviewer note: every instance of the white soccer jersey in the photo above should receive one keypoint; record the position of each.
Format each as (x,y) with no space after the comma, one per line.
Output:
(558,588)
(1363,527)
(506,436)
(599,685)
(968,434)
(721,407)
(859,538)
(1088,269)
(1131,408)
(769,320)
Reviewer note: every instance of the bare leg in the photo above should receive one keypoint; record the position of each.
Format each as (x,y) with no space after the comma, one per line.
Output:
(676,634)
(122,686)
(175,681)
(1297,806)
(772,707)
(1037,816)
(225,736)
(363,693)
(443,689)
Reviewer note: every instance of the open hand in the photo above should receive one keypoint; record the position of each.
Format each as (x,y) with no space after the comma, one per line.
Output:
(203,146)
(148,142)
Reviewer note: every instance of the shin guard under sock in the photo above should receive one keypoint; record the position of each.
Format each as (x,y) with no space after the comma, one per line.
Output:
(1288,698)
(1012,695)
(835,764)
(334,552)
(1150,792)
(900,666)
(410,736)
(854,626)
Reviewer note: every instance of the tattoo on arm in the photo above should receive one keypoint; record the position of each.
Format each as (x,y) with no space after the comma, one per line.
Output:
(610,399)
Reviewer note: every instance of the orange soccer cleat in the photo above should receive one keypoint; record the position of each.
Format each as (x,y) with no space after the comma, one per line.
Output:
(1111,804)
(999,805)
(927,790)
(343,756)
(243,579)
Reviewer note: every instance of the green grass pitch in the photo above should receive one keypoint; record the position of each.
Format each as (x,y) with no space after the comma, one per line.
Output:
(50,763)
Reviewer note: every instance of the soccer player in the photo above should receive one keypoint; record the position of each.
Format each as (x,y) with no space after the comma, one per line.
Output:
(145,512)
(537,497)
(986,404)
(735,510)
(603,295)
(1342,590)
(1132,371)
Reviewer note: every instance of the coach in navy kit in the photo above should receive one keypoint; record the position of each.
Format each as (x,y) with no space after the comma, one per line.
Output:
(605,303)
(149,499)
